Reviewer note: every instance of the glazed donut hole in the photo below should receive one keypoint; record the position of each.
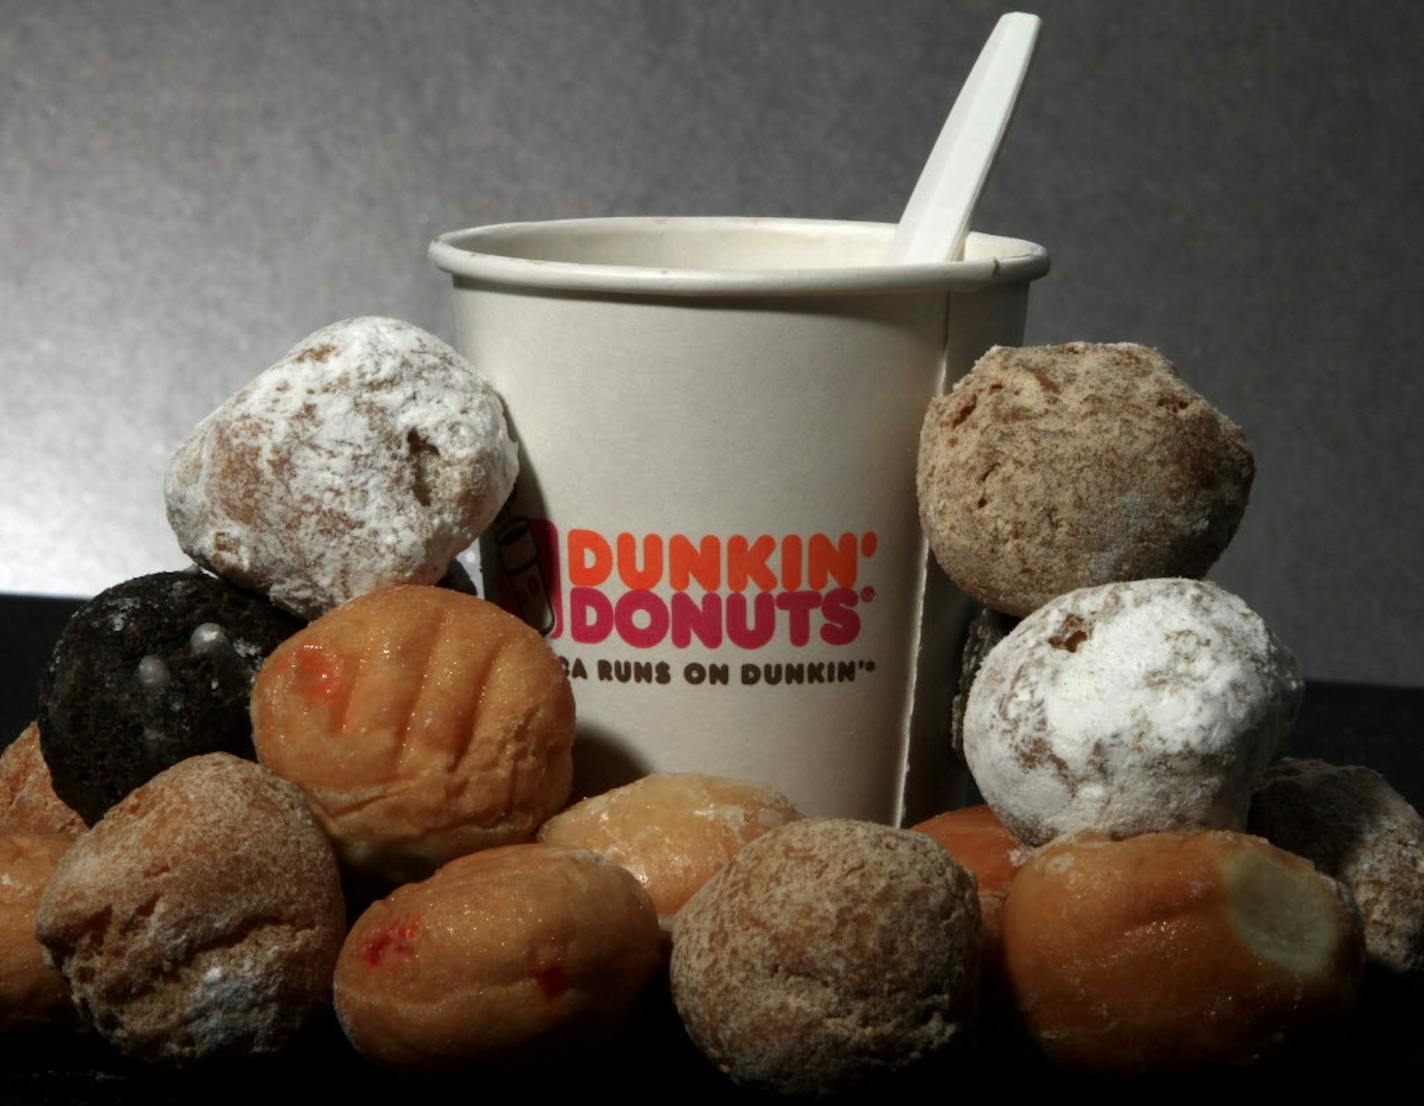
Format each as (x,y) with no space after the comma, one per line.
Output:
(33,996)
(28,803)
(502,960)
(1177,952)
(421,724)
(673,831)
(975,837)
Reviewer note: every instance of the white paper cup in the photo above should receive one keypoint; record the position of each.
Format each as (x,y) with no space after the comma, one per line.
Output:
(715,522)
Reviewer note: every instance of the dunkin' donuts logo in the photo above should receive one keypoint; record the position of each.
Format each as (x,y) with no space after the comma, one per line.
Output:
(654,590)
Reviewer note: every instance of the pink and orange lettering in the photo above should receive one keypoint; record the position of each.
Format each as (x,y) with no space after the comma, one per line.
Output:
(590,559)
(643,590)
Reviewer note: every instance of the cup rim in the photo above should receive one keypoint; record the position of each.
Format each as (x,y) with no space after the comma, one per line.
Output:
(1000,260)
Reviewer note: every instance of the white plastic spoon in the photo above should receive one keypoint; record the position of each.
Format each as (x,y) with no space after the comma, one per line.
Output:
(936,219)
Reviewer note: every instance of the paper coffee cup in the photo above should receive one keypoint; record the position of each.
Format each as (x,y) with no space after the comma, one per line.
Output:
(715,523)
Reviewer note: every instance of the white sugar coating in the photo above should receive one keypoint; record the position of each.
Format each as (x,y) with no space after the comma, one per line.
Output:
(1129,708)
(370,455)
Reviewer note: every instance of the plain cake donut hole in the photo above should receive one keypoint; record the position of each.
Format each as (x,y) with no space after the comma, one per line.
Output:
(1352,825)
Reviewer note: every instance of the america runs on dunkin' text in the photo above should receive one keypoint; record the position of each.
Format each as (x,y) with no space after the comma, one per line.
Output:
(767,674)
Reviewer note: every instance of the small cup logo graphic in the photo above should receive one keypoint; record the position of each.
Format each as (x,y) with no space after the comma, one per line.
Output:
(521,565)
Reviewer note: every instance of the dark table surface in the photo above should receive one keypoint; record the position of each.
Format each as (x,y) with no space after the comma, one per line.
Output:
(1380,727)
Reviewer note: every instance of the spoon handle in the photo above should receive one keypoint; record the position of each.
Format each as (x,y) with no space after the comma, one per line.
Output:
(936,219)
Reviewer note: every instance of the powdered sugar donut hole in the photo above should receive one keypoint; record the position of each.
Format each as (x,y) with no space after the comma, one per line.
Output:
(1130,708)
(370,455)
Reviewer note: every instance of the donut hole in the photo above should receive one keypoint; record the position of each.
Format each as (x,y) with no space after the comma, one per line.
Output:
(1113,469)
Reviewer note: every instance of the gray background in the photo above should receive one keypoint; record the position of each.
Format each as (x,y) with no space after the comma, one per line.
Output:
(186,189)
